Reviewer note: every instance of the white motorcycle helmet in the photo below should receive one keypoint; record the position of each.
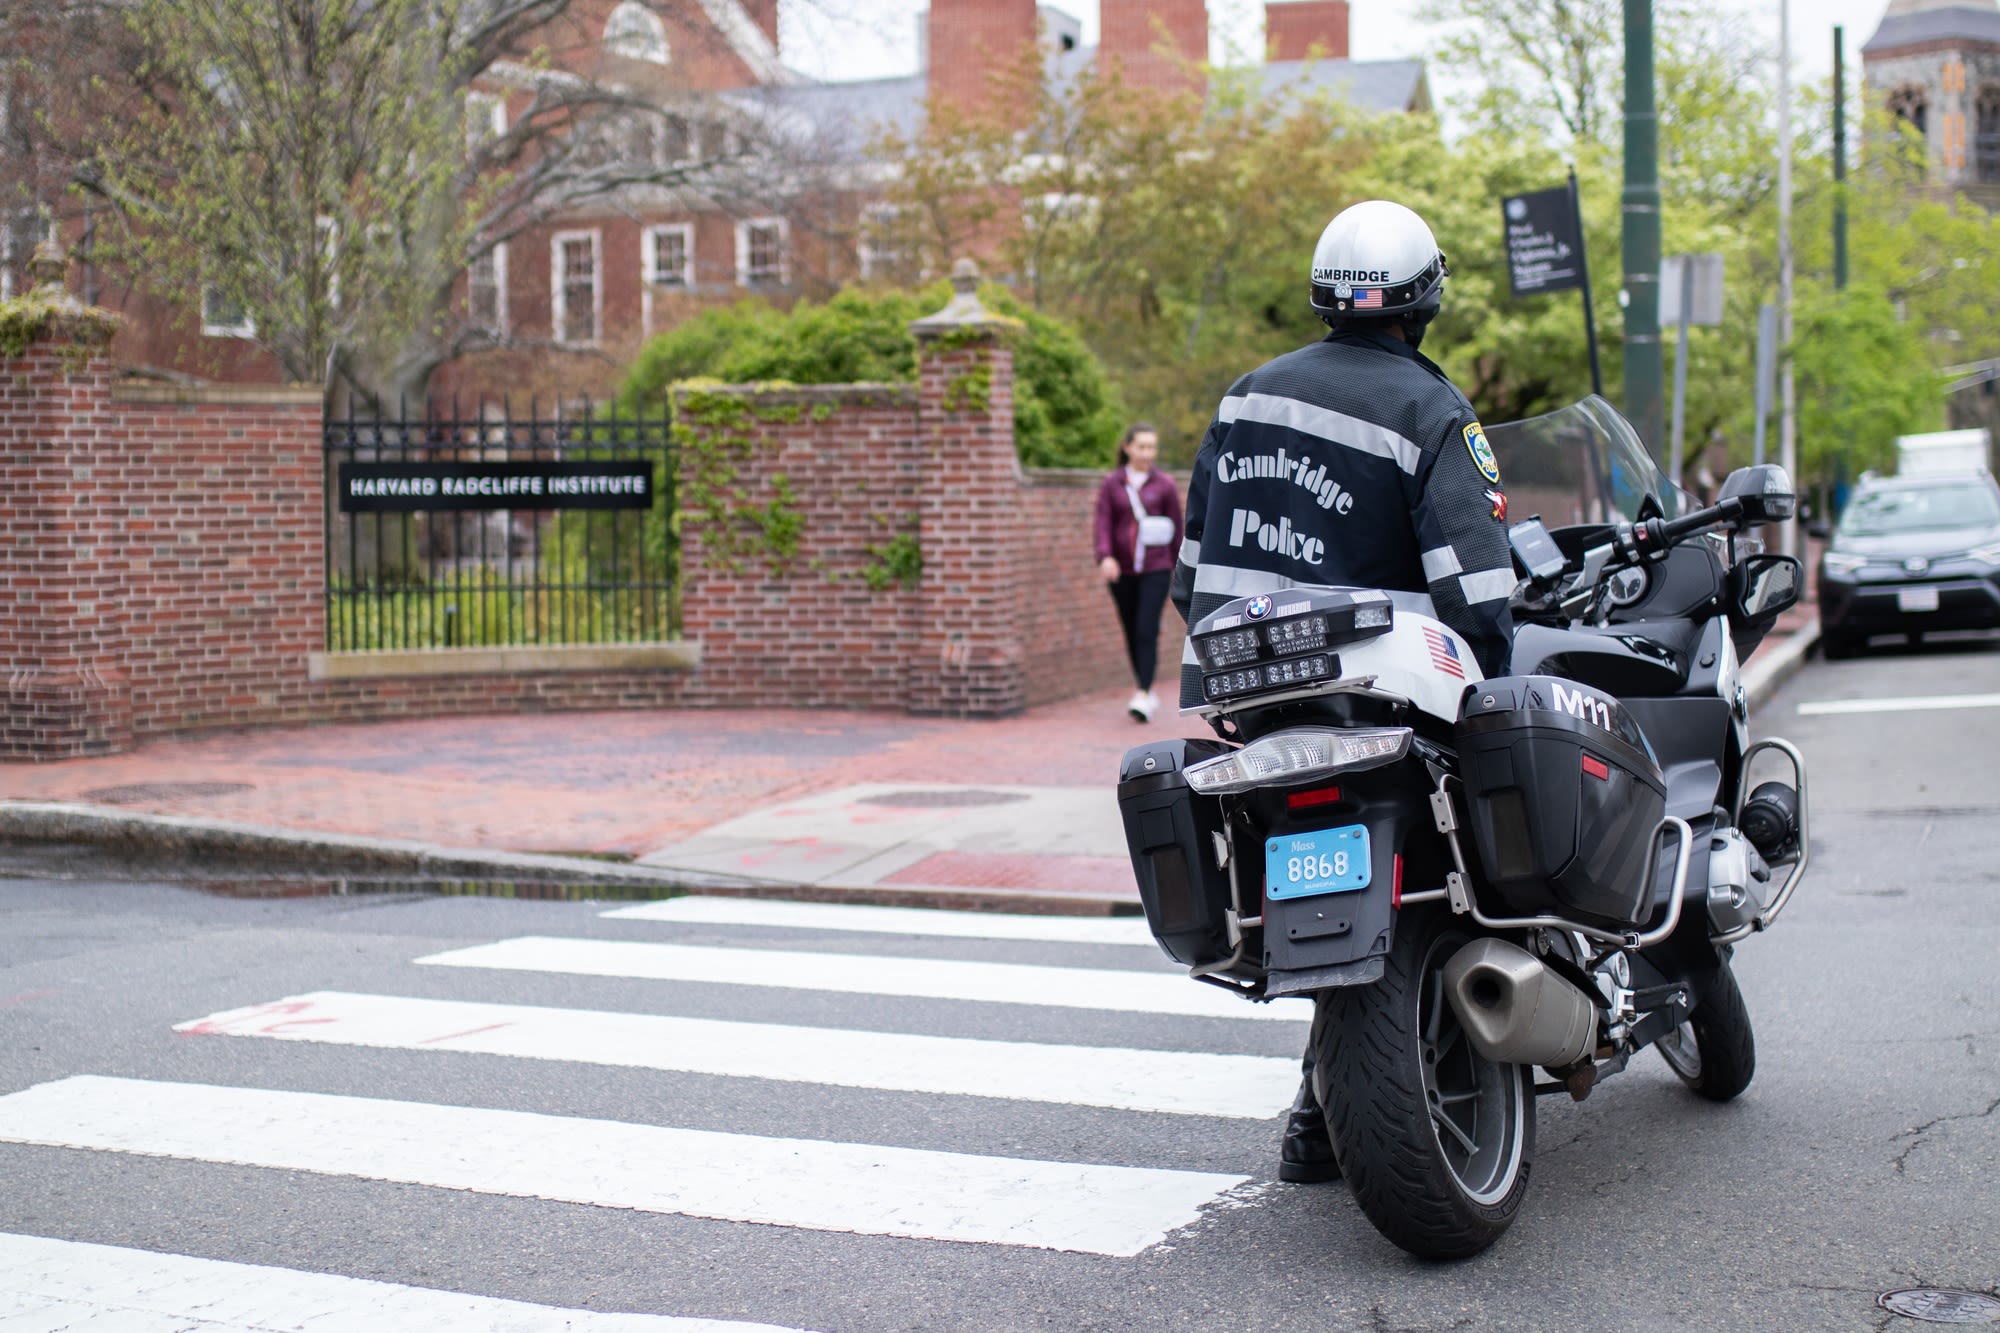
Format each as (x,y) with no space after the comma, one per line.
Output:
(1379,260)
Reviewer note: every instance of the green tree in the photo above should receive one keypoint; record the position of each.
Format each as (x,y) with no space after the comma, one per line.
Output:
(1863,379)
(1065,413)
(327,170)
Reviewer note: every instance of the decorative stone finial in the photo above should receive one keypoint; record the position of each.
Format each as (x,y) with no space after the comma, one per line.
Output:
(963,313)
(49,311)
(50,267)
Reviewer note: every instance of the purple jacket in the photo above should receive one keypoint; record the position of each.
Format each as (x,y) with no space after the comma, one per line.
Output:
(1118,528)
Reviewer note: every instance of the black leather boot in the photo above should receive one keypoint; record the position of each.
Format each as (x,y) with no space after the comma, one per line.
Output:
(1306,1156)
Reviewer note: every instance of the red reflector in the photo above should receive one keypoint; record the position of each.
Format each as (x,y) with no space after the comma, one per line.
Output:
(1396,893)
(1300,800)
(1597,768)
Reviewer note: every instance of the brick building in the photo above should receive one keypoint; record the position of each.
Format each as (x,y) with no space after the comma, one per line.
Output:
(570,302)
(1935,64)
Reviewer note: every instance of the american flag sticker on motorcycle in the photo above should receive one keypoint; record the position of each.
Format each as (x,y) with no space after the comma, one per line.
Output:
(1444,653)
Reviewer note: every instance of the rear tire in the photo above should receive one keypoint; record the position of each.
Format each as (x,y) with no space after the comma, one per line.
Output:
(1435,1141)
(1715,1051)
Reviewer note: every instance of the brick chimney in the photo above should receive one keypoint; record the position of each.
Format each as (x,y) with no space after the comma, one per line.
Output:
(764,13)
(966,41)
(1292,28)
(1132,35)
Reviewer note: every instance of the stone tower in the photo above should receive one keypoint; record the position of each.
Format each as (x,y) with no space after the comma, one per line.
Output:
(1936,65)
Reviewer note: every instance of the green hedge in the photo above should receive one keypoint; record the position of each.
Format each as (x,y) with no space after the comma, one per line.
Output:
(1066,413)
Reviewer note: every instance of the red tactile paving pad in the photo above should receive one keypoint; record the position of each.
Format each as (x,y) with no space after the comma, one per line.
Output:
(1109,876)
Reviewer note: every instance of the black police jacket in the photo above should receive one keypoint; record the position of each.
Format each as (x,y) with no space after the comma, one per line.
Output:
(1351,462)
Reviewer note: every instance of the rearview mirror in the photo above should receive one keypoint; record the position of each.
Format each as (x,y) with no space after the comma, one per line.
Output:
(1765,490)
(1766,586)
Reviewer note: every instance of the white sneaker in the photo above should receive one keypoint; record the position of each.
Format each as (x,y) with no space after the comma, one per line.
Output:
(1143,705)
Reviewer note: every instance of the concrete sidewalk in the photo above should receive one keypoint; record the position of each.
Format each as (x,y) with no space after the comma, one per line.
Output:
(1019,813)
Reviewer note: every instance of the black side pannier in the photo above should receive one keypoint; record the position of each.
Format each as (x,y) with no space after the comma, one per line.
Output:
(1566,799)
(1170,831)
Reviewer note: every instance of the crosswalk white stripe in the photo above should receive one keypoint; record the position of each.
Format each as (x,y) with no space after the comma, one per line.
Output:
(1250,1087)
(881,920)
(73,1285)
(868,974)
(814,1185)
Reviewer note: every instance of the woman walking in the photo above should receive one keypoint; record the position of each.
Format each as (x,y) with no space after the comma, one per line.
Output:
(1138,540)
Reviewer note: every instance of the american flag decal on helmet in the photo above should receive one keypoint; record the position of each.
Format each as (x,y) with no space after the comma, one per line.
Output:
(1367,298)
(1444,653)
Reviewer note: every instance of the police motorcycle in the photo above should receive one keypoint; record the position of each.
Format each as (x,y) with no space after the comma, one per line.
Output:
(1493,890)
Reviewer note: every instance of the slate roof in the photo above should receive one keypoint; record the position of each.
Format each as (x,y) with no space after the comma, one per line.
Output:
(845,116)
(1955,23)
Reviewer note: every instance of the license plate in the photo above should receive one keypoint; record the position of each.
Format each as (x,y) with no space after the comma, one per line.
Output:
(1917,599)
(1299,865)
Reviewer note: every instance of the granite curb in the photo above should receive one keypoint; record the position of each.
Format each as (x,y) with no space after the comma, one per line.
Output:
(179,847)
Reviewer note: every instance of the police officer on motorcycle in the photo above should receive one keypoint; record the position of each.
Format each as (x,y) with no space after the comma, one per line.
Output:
(1352,462)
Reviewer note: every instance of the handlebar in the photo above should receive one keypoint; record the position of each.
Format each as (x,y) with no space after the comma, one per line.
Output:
(1657,534)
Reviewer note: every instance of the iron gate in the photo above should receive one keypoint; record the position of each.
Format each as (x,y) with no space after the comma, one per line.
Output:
(453,530)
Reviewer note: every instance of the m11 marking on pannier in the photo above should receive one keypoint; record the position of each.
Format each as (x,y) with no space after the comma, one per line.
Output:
(1578,704)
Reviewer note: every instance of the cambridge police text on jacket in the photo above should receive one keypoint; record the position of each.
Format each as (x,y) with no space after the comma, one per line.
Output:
(1351,462)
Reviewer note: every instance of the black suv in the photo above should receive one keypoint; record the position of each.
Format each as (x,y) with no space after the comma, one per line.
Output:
(1911,554)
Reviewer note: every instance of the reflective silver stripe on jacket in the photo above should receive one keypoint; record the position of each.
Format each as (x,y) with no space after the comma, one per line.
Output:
(1441,563)
(1322,423)
(1487,585)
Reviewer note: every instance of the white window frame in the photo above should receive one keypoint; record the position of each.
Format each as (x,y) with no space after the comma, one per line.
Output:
(243,328)
(485,119)
(649,256)
(876,258)
(644,36)
(744,277)
(559,286)
(497,256)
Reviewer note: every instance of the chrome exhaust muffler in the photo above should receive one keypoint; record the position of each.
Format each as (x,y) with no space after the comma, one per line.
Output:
(1516,1011)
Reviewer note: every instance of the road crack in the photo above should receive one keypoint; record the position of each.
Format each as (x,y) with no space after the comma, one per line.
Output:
(1916,1136)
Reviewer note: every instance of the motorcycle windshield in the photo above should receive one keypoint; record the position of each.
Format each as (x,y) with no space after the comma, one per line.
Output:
(1582,464)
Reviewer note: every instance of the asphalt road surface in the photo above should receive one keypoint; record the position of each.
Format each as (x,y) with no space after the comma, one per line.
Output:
(383,1113)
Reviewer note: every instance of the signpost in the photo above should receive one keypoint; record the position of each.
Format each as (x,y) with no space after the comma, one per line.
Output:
(1690,293)
(1546,253)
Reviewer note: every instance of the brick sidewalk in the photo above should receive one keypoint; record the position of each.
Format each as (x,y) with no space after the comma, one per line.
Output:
(620,783)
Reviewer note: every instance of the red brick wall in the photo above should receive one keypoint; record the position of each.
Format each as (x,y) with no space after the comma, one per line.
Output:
(1292,28)
(162,562)
(1133,34)
(813,632)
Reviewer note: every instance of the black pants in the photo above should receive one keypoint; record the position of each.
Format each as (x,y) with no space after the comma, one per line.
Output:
(1139,598)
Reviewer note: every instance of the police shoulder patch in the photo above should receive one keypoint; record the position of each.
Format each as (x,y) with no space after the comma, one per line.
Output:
(1482,452)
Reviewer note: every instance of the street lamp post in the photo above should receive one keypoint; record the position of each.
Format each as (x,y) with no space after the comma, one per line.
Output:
(1640,210)
(1788,426)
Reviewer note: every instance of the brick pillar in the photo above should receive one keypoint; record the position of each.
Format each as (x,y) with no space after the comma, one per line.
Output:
(63,688)
(969,659)
(968,41)
(1153,42)
(1300,29)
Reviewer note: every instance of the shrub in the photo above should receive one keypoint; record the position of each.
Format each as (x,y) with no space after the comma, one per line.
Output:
(1065,411)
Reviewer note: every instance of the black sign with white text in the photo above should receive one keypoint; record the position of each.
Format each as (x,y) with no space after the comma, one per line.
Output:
(1544,242)
(376,488)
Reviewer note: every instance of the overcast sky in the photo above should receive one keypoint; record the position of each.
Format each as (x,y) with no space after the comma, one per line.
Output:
(861,39)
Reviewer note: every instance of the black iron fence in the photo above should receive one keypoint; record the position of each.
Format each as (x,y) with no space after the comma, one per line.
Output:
(485,528)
